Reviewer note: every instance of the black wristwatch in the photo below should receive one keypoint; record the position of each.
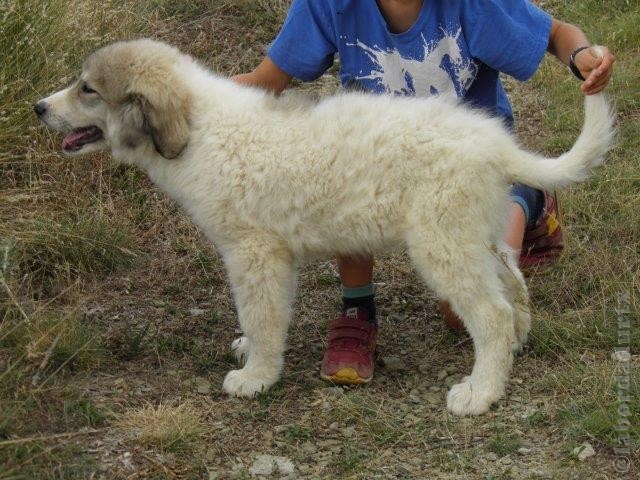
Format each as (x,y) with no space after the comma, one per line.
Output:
(572,65)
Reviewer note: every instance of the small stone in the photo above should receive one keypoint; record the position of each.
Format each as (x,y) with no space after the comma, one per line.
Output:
(433,398)
(263,465)
(524,451)
(126,461)
(203,386)
(395,318)
(451,369)
(442,374)
(516,398)
(424,367)
(506,461)
(584,451)
(309,447)
(285,466)
(452,380)
(196,312)
(393,364)
(266,464)
(332,391)
(491,457)
(414,396)
(348,431)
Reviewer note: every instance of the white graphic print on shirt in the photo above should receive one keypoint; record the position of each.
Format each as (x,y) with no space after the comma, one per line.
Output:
(443,70)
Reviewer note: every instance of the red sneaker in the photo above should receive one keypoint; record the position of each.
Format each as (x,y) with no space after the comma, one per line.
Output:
(348,359)
(543,243)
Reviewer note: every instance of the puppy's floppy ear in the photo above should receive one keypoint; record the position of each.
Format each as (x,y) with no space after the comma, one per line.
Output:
(165,107)
(134,124)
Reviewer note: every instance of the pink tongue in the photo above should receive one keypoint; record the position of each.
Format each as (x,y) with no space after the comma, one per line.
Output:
(73,139)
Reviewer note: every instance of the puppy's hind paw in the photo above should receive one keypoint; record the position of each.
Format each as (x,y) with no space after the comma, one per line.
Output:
(467,398)
(240,349)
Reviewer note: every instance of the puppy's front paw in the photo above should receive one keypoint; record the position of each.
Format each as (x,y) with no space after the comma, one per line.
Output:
(240,349)
(468,398)
(243,383)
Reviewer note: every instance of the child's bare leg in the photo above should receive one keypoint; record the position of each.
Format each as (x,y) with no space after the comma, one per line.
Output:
(516,224)
(355,271)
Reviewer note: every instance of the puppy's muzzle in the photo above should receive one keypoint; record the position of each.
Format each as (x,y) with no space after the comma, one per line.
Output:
(40,108)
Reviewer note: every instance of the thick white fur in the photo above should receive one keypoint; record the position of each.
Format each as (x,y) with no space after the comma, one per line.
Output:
(274,182)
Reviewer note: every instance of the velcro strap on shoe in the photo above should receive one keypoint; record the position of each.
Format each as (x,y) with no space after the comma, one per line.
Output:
(346,332)
(361,323)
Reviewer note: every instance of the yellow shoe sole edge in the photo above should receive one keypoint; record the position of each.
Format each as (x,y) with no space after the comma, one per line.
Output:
(345,376)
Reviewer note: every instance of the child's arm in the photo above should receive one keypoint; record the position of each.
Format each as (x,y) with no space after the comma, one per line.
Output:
(564,39)
(304,48)
(267,75)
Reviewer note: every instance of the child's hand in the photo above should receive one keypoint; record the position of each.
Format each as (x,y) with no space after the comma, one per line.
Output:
(596,66)
(245,79)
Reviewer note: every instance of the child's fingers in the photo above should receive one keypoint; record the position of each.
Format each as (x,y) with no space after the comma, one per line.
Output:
(594,77)
(597,85)
(593,91)
(604,81)
(606,65)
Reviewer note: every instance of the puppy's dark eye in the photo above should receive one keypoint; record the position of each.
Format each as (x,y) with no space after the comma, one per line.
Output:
(87,89)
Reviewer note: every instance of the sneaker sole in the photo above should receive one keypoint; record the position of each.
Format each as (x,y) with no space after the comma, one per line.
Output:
(345,376)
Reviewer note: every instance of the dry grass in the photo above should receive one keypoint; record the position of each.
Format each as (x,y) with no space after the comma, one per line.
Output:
(165,427)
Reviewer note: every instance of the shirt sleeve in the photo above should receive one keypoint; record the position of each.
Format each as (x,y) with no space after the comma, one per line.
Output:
(305,46)
(510,36)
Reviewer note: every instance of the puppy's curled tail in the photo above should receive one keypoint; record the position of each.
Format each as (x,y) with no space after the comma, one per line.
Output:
(574,166)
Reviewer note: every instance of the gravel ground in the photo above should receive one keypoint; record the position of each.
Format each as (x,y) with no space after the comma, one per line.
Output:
(395,427)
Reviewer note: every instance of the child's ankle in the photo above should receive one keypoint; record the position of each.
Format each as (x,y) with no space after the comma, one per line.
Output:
(362,297)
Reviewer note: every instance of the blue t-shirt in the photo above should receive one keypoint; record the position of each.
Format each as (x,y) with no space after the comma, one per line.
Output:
(455,47)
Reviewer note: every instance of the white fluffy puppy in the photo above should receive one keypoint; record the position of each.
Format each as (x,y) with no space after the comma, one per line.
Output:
(276,181)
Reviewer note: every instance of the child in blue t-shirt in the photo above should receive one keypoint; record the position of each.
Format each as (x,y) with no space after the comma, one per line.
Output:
(423,48)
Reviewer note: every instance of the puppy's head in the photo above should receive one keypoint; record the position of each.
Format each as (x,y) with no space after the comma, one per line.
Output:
(129,96)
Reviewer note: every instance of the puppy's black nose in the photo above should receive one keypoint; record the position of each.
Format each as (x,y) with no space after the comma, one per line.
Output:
(40,108)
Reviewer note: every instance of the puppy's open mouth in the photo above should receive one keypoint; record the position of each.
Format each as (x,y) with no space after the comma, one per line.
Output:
(80,137)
